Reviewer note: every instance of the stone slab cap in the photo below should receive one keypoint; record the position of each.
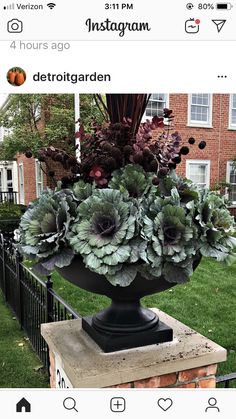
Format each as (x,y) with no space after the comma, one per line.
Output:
(87,366)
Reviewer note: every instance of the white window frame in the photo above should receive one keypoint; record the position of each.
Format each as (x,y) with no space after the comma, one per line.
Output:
(231,125)
(38,181)
(145,116)
(228,179)
(201,124)
(9,181)
(21,185)
(207,163)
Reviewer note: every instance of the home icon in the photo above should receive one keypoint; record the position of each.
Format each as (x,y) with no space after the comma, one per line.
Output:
(23,406)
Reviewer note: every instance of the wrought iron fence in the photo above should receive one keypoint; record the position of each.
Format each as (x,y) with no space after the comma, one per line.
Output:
(33,301)
(226,379)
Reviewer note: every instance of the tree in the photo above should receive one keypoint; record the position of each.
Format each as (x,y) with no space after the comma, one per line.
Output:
(90,111)
(36,121)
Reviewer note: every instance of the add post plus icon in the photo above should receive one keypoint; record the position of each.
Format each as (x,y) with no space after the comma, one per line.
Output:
(219,23)
(117,404)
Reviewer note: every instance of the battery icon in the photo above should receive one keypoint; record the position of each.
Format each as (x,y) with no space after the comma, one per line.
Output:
(224,6)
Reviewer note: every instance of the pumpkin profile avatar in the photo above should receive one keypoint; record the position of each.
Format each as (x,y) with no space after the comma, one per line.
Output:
(16,76)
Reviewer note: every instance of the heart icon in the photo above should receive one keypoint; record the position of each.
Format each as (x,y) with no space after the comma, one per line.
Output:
(165,404)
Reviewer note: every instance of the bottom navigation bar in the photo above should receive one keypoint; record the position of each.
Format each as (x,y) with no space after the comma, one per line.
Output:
(129,403)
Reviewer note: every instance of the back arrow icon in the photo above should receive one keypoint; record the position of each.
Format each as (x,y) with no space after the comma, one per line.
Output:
(219,23)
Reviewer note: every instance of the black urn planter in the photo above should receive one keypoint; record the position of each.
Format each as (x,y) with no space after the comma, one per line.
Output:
(125,323)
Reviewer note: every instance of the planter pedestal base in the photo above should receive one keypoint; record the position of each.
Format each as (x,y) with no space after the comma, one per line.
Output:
(189,360)
(111,342)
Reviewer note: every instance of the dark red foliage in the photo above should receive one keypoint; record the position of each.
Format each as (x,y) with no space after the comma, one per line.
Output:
(112,147)
(28,154)
(98,175)
(59,157)
(202,145)
(155,181)
(109,147)
(162,172)
(158,121)
(75,169)
(168,114)
(184,150)
(128,150)
(172,165)
(41,158)
(153,165)
(138,157)
(110,164)
(67,181)
(65,157)
(177,159)
(72,161)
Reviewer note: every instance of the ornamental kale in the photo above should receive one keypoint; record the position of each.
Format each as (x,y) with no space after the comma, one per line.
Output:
(103,235)
(129,228)
(216,227)
(82,190)
(187,190)
(44,230)
(132,179)
(171,235)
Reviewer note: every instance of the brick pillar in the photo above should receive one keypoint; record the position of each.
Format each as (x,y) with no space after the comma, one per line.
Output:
(52,370)
(203,377)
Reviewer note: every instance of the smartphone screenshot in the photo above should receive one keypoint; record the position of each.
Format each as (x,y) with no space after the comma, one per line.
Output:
(117,209)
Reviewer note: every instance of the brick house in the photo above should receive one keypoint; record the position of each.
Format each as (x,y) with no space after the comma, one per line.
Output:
(209,117)
(31,179)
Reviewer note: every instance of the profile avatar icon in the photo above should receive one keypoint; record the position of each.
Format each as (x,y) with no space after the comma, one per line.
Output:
(212,402)
(16,76)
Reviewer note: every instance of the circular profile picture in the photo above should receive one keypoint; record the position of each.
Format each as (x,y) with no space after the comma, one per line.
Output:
(16,76)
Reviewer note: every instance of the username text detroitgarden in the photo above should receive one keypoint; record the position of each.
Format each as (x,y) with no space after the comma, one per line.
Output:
(72,78)
(120,27)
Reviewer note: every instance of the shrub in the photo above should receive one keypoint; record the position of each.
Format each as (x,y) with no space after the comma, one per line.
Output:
(10,215)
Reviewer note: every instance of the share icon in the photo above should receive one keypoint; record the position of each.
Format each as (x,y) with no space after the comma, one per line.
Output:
(219,23)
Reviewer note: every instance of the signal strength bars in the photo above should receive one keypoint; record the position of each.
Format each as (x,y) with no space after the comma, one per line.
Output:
(9,7)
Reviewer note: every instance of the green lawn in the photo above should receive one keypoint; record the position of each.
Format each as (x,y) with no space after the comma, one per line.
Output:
(19,365)
(207,304)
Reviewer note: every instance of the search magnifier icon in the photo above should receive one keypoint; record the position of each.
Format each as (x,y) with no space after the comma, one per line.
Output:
(70,404)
